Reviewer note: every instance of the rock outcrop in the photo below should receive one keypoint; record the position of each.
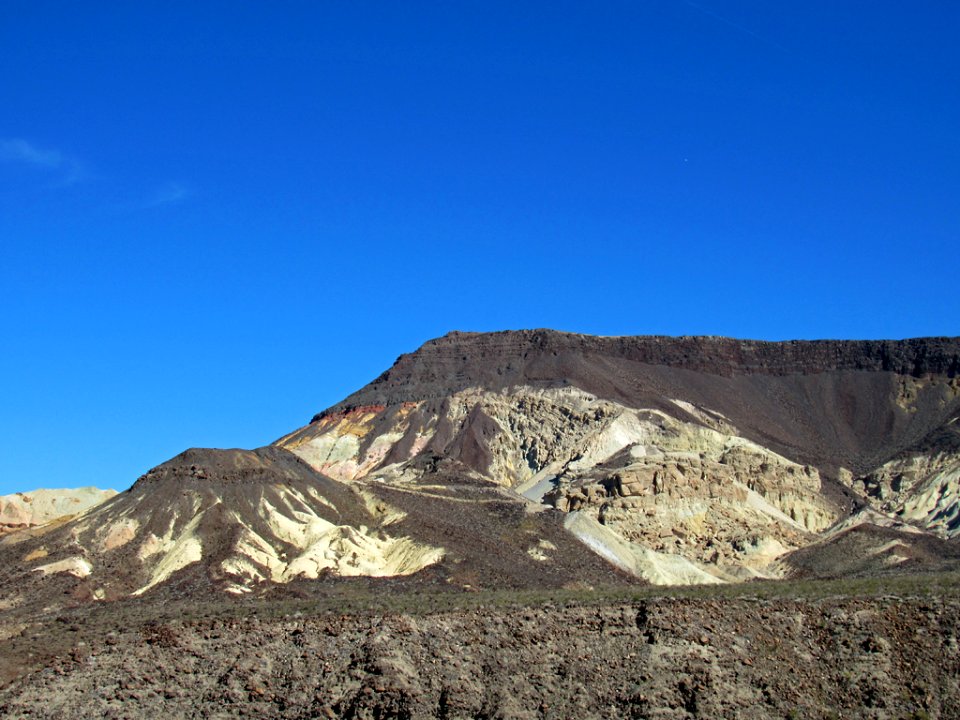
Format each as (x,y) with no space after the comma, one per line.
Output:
(831,404)
(686,488)
(32,509)
(921,484)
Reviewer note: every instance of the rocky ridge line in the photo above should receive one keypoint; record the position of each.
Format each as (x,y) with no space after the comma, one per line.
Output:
(458,358)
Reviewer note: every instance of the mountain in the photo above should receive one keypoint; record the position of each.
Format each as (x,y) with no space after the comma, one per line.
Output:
(541,459)
(697,454)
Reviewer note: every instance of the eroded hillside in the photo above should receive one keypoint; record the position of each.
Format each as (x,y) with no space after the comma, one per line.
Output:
(545,459)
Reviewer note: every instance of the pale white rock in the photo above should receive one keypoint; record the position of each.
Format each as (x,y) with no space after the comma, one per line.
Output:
(39,507)
(657,568)
(76,566)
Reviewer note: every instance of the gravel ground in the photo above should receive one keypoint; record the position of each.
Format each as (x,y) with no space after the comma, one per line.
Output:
(882,657)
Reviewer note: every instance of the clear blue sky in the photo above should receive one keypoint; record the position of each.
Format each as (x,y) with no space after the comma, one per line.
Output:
(218,218)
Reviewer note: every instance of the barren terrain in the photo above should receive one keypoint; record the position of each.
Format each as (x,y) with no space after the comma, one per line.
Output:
(841,649)
(526,524)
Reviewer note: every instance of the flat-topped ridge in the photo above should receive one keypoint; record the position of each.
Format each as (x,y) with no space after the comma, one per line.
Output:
(544,357)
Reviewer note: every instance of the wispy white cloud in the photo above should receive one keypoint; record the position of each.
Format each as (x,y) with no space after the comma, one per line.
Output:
(167,194)
(21,151)
(59,170)
(18,151)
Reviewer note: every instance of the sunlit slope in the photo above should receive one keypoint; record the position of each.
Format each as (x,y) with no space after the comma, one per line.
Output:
(727,454)
(232,519)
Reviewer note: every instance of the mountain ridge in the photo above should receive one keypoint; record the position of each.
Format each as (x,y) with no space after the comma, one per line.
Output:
(910,356)
(748,376)
(543,459)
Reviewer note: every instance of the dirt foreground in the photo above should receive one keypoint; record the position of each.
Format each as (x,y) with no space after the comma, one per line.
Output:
(866,657)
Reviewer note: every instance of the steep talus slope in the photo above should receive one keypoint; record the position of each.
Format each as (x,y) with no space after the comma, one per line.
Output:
(825,403)
(500,359)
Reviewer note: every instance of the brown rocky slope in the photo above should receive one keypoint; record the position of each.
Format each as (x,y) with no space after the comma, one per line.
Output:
(664,658)
(827,403)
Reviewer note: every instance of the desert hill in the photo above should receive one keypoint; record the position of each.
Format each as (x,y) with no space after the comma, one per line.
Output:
(547,459)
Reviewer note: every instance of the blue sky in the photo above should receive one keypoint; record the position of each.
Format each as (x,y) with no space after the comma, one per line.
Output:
(218,218)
